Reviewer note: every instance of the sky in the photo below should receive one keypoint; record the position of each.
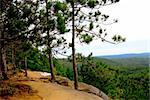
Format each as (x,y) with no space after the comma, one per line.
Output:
(134,24)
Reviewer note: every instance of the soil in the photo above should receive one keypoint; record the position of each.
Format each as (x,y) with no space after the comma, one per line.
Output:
(45,90)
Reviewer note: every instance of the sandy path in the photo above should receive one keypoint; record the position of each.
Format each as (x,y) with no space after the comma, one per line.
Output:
(49,91)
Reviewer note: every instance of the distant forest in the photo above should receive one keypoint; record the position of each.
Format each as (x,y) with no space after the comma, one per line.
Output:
(117,80)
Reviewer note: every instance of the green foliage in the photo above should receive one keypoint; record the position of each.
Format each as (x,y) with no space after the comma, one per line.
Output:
(49,4)
(35,60)
(118,38)
(128,62)
(61,23)
(133,62)
(62,69)
(92,3)
(117,82)
(85,22)
(91,26)
(38,61)
(86,38)
(60,6)
(82,2)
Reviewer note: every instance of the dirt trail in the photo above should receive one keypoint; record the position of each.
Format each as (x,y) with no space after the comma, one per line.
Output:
(47,90)
(51,91)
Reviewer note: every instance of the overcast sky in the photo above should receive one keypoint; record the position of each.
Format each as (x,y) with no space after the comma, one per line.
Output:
(134,24)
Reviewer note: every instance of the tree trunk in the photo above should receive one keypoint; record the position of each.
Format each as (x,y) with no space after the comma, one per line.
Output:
(26,66)
(3,67)
(1,30)
(1,62)
(4,60)
(14,57)
(73,50)
(51,66)
(50,50)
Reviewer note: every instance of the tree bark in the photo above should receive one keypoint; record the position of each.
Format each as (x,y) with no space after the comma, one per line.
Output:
(14,57)
(1,62)
(50,50)
(73,50)
(26,66)
(3,67)
(4,60)
(1,30)
(51,66)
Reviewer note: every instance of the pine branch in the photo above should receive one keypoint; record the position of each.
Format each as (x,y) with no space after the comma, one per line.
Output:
(57,52)
(99,36)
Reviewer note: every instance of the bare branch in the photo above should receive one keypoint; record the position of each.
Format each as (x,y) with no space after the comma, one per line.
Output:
(103,5)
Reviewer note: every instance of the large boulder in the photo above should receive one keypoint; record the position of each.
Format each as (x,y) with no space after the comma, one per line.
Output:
(91,89)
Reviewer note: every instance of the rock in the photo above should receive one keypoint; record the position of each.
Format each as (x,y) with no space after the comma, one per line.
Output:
(103,95)
(93,90)
(62,80)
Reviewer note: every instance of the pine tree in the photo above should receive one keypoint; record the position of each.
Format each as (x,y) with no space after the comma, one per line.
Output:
(51,28)
(86,17)
(16,18)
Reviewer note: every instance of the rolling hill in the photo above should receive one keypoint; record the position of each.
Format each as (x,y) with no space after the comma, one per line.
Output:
(136,60)
(132,55)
